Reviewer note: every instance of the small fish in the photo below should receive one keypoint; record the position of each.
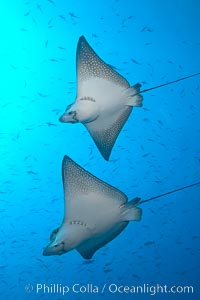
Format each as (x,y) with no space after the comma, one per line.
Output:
(160,122)
(149,243)
(73,15)
(39,7)
(107,270)
(53,59)
(50,21)
(61,48)
(27,13)
(42,95)
(52,2)
(135,61)
(31,172)
(146,154)
(50,124)
(147,29)
(62,17)
(23,29)
(13,67)
(94,35)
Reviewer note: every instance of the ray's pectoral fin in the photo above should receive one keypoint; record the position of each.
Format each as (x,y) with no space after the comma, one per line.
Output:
(89,247)
(105,130)
(129,212)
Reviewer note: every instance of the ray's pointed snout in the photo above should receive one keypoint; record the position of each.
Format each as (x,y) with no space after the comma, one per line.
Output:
(69,117)
(62,119)
(51,249)
(46,252)
(66,118)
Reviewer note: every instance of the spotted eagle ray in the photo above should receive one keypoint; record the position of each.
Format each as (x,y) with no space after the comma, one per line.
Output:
(94,212)
(104,99)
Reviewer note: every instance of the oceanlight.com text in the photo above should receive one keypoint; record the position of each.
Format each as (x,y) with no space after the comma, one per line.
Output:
(111,288)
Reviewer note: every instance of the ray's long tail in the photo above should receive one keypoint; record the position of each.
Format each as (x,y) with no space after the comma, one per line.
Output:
(170,192)
(171,82)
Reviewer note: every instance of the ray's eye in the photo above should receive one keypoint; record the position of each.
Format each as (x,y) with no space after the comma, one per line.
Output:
(62,243)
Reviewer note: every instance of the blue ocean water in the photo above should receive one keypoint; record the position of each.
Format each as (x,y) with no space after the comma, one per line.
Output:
(150,42)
